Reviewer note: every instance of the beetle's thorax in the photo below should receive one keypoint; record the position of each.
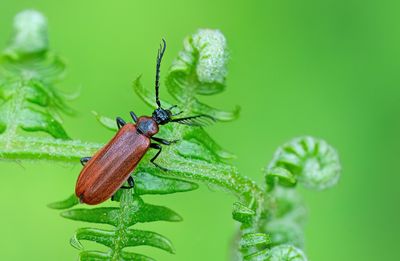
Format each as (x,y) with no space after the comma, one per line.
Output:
(147,126)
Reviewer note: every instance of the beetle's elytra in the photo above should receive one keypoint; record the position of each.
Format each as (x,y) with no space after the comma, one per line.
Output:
(107,170)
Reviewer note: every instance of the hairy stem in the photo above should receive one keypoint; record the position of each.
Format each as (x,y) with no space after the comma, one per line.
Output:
(126,205)
(37,148)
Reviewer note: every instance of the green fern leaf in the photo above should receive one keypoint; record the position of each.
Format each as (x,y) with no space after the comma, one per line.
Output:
(133,238)
(254,239)
(242,213)
(132,210)
(65,204)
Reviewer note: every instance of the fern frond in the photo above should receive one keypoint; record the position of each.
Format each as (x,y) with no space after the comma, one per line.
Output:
(305,160)
(132,210)
(28,72)
(29,101)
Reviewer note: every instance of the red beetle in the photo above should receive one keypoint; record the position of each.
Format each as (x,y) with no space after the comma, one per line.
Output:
(111,166)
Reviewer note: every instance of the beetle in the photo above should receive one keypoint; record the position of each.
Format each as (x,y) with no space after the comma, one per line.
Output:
(111,166)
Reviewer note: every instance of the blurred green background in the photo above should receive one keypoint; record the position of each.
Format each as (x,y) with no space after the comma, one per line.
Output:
(325,68)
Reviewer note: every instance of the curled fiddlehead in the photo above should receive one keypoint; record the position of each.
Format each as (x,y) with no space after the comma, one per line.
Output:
(201,66)
(307,160)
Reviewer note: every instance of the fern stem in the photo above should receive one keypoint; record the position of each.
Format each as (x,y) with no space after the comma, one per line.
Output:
(38,148)
(125,210)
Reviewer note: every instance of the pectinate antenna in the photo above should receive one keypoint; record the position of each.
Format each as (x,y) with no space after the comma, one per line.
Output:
(197,120)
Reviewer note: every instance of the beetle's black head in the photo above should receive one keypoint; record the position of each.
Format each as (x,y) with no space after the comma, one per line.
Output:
(162,116)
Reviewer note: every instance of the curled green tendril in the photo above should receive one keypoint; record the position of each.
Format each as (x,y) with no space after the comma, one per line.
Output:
(307,160)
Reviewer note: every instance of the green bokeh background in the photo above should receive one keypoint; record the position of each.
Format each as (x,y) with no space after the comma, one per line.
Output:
(325,68)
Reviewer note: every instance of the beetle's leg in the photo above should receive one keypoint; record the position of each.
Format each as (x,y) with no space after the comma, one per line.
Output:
(84,160)
(165,142)
(159,148)
(120,122)
(134,117)
(131,183)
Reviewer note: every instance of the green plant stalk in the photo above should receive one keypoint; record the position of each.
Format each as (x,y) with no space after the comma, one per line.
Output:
(120,231)
(37,148)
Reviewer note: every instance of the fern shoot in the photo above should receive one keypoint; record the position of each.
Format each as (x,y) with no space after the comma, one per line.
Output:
(271,215)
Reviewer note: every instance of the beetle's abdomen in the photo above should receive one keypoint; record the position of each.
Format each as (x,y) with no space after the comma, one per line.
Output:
(111,166)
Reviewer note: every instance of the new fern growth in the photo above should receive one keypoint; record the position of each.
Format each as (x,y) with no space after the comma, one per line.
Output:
(29,71)
(271,216)
(29,101)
